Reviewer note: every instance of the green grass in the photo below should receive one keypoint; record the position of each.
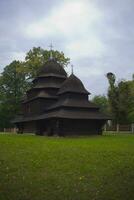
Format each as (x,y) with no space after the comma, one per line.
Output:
(83,168)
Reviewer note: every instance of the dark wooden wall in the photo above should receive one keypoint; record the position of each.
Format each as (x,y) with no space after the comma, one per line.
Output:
(81,127)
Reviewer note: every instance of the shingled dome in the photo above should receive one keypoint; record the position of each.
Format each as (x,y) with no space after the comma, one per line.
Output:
(73,84)
(52,67)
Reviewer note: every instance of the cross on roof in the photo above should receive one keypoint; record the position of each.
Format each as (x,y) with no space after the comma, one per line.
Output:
(51,46)
(72,69)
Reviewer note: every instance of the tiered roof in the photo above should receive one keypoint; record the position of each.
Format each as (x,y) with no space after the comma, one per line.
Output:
(68,104)
(52,68)
(73,107)
(46,79)
(73,84)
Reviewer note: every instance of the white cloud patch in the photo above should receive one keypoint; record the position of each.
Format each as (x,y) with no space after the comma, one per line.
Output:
(70,18)
(8,57)
(86,47)
(18,56)
(75,21)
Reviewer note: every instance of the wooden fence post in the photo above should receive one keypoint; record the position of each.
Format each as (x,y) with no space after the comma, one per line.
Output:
(132,127)
(117,128)
(105,127)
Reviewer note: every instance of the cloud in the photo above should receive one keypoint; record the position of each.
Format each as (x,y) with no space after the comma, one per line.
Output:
(86,47)
(75,22)
(69,18)
(18,56)
(8,57)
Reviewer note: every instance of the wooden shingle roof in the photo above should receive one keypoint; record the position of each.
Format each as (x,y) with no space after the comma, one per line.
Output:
(52,68)
(73,84)
(73,103)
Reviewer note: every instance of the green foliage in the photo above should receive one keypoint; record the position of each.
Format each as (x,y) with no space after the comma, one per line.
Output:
(133,77)
(131,108)
(82,168)
(102,102)
(126,101)
(111,78)
(36,57)
(121,100)
(113,96)
(13,85)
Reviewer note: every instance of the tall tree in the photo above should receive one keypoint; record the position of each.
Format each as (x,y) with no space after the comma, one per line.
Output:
(125,101)
(13,85)
(113,96)
(121,99)
(131,108)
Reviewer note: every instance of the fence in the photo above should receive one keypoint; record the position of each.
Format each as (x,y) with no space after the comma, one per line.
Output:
(13,130)
(107,127)
(119,127)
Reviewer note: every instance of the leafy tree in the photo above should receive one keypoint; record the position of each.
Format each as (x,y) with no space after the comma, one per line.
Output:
(13,85)
(125,101)
(121,99)
(131,108)
(102,102)
(36,57)
(113,96)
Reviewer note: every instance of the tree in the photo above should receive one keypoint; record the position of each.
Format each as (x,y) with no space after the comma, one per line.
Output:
(36,57)
(131,108)
(13,85)
(102,102)
(125,101)
(121,99)
(113,96)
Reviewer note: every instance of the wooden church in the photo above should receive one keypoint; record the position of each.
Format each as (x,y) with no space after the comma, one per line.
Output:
(59,105)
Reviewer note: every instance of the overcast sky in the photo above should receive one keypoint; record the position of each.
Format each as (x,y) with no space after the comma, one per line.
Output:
(97,35)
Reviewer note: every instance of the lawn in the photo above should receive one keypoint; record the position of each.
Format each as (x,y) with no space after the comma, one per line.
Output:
(80,168)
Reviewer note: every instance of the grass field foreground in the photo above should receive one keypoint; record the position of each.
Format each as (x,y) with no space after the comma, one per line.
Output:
(81,168)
